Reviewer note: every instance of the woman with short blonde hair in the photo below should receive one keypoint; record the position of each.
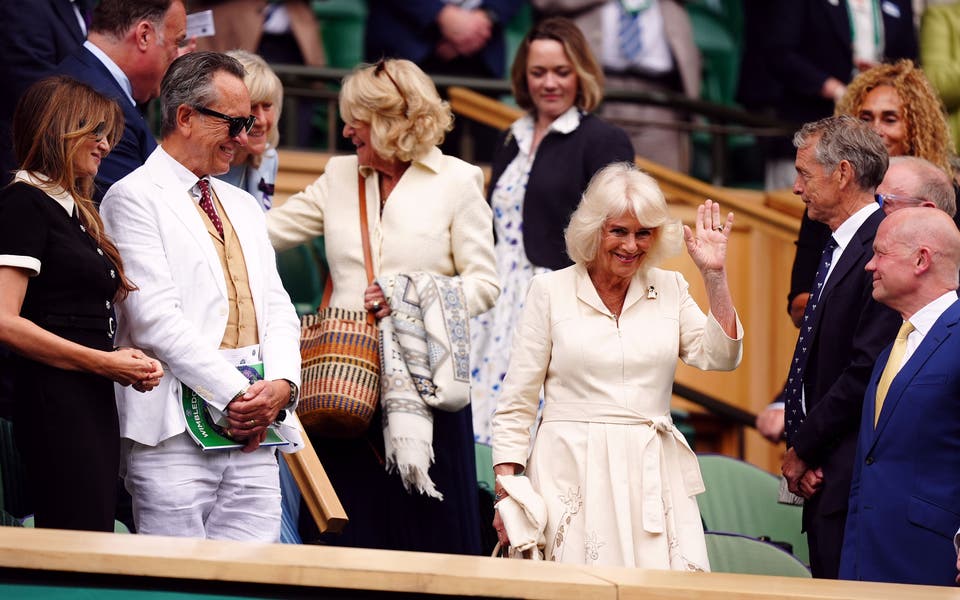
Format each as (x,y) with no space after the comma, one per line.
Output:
(601,339)
(406,115)
(618,189)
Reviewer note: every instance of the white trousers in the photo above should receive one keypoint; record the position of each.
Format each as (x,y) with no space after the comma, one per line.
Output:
(179,490)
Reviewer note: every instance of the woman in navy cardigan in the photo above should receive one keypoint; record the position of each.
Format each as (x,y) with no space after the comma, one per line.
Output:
(540,168)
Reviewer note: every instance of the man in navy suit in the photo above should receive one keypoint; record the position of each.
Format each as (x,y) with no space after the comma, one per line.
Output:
(905,495)
(130,45)
(34,38)
(840,161)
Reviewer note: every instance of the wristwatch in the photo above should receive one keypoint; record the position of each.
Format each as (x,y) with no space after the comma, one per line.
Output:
(294,394)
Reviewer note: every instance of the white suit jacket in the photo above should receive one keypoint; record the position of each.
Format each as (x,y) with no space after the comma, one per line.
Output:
(179,313)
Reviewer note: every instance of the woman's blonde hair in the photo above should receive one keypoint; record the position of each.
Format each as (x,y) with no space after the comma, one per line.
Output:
(928,135)
(399,101)
(616,190)
(588,70)
(264,86)
(51,120)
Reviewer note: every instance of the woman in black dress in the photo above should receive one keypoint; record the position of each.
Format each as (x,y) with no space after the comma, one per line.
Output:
(59,279)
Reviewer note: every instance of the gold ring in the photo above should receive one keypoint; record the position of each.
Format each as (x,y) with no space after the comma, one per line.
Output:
(251,423)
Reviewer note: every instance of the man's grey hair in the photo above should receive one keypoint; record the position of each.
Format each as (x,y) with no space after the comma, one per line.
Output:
(932,183)
(189,80)
(846,138)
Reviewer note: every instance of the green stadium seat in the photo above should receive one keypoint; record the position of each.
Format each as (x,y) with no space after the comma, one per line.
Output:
(303,276)
(742,498)
(732,553)
(342,25)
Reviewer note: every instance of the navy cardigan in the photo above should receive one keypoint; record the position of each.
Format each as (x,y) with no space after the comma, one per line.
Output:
(560,173)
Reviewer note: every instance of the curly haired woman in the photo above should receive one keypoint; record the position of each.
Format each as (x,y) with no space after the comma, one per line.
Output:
(902,106)
(904,109)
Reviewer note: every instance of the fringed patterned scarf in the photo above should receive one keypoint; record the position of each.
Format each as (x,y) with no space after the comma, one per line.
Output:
(425,364)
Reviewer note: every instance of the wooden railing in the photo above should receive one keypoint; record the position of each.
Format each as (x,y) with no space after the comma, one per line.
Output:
(43,559)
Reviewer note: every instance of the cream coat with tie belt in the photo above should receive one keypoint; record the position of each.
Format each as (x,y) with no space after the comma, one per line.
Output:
(618,479)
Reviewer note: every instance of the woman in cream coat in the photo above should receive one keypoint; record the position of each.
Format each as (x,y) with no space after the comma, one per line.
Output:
(602,337)
(426,212)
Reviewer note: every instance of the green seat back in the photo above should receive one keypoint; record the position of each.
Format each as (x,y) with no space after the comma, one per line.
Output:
(741,498)
(485,477)
(514,32)
(731,553)
(118,526)
(717,31)
(342,25)
(303,276)
(682,423)
(8,520)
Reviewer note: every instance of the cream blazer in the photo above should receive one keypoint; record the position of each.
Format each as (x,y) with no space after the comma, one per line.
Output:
(436,220)
(179,313)
(591,364)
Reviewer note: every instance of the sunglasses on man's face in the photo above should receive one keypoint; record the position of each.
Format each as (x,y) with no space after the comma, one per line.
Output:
(237,124)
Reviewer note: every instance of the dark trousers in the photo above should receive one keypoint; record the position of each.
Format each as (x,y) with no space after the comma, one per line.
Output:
(825,539)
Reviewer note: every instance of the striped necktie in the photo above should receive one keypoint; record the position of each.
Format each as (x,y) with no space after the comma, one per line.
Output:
(631,42)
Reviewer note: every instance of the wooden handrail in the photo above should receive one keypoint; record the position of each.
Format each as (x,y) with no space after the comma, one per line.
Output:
(482,109)
(315,487)
(38,557)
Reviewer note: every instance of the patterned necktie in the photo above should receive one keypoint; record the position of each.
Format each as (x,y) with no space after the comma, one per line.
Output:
(793,392)
(894,363)
(631,44)
(206,203)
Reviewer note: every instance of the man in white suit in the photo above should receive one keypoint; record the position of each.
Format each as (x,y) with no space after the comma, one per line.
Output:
(197,248)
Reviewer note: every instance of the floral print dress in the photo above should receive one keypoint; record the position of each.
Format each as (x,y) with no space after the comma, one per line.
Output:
(491,333)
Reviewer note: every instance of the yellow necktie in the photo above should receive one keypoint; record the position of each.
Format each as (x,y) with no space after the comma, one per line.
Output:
(894,362)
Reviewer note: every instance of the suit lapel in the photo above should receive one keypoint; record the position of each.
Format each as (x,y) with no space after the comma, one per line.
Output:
(938,334)
(181,205)
(93,63)
(852,256)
